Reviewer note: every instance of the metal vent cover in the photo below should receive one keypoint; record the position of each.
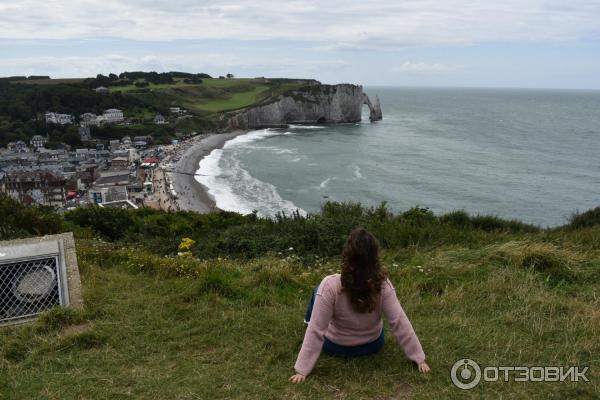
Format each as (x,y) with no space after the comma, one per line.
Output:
(33,277)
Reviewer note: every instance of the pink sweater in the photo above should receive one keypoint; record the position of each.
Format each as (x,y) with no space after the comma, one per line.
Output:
(334,317)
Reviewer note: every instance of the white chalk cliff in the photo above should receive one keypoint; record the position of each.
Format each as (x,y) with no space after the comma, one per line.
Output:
(309,105)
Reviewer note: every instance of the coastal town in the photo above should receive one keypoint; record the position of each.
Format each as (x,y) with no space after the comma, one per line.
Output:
(131,172)
(146,152)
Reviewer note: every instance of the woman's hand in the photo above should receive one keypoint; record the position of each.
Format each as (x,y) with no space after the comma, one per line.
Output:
(424,368)
(298,378)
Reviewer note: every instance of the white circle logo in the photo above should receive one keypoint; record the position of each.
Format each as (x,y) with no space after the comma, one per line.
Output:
(465,374)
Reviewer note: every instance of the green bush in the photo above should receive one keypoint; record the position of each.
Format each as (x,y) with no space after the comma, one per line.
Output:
(17,220)
(485,223)
(111,223)
(249,236)
(584,220)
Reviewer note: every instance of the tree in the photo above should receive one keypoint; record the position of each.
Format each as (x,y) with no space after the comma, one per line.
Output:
(230,76)
(71,137)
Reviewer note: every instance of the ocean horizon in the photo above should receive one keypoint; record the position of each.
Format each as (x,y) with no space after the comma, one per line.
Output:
(527,154)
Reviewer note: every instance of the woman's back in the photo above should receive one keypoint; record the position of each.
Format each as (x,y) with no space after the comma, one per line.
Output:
(334,317)
(348,327)
(345,310)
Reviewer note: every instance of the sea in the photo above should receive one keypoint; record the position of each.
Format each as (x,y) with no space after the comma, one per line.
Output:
(526,154)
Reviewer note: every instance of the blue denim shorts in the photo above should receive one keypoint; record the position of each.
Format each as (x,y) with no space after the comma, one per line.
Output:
(366,349)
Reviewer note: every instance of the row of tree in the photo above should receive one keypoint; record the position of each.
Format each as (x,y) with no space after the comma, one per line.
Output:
(128,78)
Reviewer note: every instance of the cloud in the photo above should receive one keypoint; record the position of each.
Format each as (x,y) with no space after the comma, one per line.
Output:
(76,66)
(408,66)
(84,66)
(344,23)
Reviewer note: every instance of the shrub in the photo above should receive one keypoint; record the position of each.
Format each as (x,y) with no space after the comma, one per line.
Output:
(584,220)
(486,223)
(17,220)
(112,223)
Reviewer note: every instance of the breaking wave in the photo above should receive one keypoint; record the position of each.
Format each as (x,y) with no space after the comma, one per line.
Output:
(233,188)
(306,127)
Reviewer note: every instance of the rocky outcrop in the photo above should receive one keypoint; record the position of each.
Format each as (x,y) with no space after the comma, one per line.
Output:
(374,108)
(309,105)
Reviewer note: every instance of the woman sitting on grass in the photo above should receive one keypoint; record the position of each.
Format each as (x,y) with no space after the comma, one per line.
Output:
(344,314)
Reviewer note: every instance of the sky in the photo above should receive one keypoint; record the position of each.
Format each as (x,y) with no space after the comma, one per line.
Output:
(467,43)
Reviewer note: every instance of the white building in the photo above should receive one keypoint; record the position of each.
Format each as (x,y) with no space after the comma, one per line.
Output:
(38,142)
(112,116)
(56,118)
(98,195)
(176,110)
(82,154)
(114,145)
(17,147)
(130,154)
(89,119)
(102,89)
(159,120)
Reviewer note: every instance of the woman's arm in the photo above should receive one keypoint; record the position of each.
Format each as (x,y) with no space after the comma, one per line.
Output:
(401,326)
(317,327)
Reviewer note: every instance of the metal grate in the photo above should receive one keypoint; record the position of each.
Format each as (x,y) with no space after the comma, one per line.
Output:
(28,287)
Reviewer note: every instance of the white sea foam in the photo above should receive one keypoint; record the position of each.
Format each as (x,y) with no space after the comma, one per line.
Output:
(253,136)
(357,173)
(286,151)
(233,188)
(273,149)
(324,184)
(306,127)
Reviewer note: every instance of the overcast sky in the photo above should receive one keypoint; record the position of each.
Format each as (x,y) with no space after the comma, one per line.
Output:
(500,43)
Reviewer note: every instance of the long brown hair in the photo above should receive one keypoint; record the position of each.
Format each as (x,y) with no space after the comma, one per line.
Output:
(362,274)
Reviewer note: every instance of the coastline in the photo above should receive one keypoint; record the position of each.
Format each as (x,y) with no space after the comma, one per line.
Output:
(191,194)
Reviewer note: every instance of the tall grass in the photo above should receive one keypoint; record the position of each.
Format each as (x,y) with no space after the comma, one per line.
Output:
(322,233)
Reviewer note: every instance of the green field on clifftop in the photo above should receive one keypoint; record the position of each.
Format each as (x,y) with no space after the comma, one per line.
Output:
(212,95)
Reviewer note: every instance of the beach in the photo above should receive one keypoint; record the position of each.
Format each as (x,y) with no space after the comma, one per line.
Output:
(191,195)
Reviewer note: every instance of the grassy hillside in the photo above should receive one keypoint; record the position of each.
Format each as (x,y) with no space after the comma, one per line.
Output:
(212,95)
(23,102)
(227,322)
(203,97)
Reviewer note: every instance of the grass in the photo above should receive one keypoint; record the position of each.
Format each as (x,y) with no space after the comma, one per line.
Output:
(174,328)
(237,100)
(212,95)
(153,86)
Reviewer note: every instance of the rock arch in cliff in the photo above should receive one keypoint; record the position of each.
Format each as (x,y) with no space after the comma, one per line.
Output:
(374,107)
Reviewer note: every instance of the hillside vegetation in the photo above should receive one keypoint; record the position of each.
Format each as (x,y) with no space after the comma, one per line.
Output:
(226,320)
(141,95)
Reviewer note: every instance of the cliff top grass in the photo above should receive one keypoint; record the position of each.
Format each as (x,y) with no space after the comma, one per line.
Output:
(214,95)
(227,321)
